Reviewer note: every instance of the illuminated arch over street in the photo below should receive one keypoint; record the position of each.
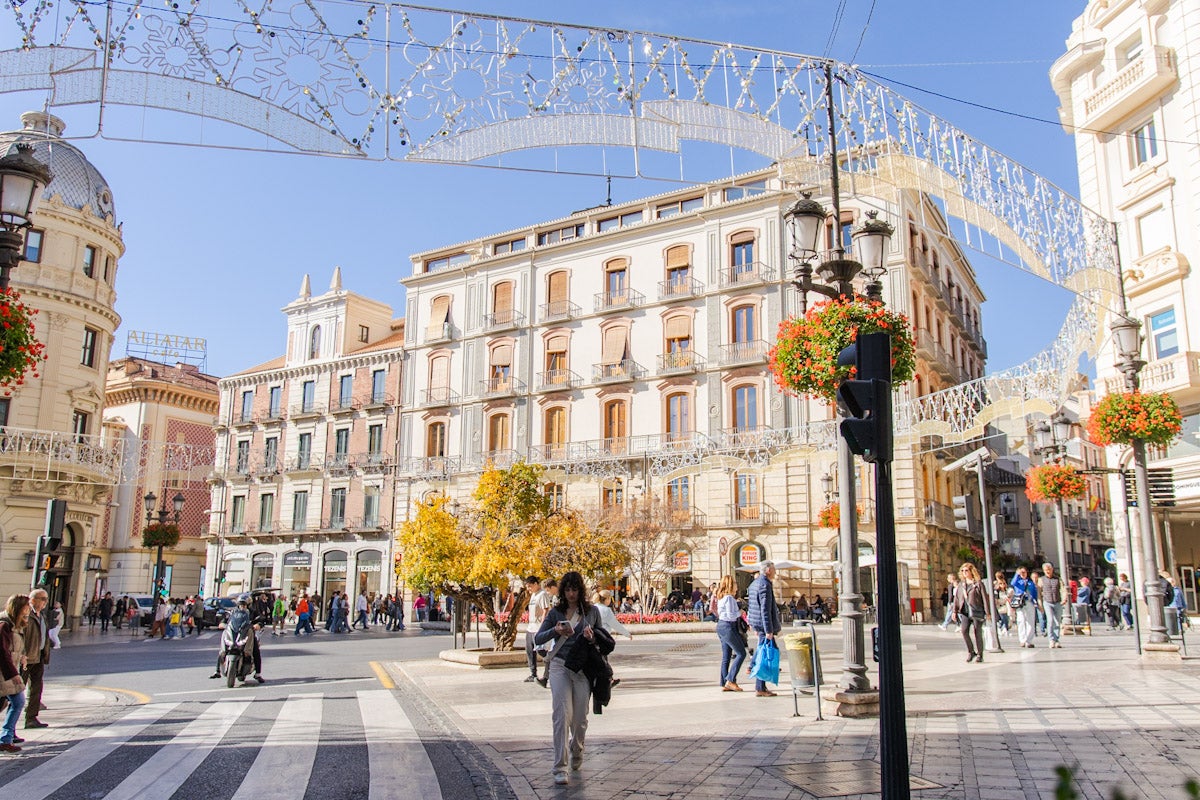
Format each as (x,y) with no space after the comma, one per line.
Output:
(405,83)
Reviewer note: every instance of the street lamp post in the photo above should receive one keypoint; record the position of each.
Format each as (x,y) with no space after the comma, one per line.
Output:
(22,180)
(163,516)
(1128,340)
(1051,442)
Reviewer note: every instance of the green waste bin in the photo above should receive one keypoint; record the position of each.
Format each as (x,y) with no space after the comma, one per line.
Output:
(799,647)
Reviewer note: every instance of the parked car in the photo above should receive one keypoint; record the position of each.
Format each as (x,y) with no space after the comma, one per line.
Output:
(216,611)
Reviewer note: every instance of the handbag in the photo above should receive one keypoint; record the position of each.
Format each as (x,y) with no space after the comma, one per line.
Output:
(11,686)
(1016,601)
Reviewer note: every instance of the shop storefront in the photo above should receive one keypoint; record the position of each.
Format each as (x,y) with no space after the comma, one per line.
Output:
(262,570)
(369,568)
(745,562)
(333,573)
(681,573)
(297,573)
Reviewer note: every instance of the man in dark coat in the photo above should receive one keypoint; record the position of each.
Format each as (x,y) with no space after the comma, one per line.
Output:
(37,655)
(763,614)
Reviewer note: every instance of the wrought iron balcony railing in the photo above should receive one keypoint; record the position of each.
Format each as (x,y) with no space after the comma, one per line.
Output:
(679,288)
(439,396)
(746,274)
(624,370)
(553,379)
(744,352)
(501,387)
(750,514)
(558,310)
(503,320)
(304,462)
(445,332)
(680,362)
(302,410)
(622,298)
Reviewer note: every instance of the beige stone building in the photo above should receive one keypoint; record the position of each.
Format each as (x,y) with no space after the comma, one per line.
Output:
(625,347)
(163,415)
(53,446)
(303,488)
(1127,87)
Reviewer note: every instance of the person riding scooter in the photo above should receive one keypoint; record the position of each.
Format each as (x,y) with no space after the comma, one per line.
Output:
(240,618)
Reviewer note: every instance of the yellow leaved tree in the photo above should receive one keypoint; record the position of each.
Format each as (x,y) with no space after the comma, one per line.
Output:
(509,530)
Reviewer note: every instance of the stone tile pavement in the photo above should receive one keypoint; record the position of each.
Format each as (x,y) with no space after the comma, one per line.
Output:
(992,731)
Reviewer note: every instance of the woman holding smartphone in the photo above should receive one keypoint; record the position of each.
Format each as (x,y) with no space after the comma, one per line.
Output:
(571,619)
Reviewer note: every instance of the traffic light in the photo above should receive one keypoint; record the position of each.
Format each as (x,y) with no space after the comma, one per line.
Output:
(48,544)
(964,513)
(867,400)
(221,577)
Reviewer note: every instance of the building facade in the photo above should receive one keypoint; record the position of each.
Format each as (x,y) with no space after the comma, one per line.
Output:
(53,447)
(1127,87)
(163,414)
(303,490)
(625,348)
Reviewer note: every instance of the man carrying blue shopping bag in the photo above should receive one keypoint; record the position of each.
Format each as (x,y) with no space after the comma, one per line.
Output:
(763,616)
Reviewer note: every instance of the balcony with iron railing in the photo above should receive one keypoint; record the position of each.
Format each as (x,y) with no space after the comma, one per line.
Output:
(501,387)
(339,463)
(742,438)
(557,379)
(304,462)
(1137,83)
(624,370)
(374,401)
(680,288)
(439,396)
(272,416)
(752,352)
(497,459)
(558,310)
(372,463)
(343,405)
(502,321)
(680,362)
(618,300)
(749,274)
(939,515)
(682,517)
(306,410)
(556,453)
(243,419)
(749,514)
(335,522)
(445,332)
(430,467)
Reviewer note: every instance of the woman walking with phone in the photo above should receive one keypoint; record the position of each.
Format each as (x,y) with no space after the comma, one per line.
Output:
(573,618)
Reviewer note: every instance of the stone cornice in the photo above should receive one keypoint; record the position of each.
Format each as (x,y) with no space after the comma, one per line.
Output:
(165,394)
(68,298)
(333,366)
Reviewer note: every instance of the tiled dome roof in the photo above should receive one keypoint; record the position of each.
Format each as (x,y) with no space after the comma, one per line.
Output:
(74,178)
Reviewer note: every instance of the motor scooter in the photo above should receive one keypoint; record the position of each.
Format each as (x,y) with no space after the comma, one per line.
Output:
(237,653)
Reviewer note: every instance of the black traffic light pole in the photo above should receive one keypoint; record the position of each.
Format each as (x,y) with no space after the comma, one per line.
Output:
(868,432)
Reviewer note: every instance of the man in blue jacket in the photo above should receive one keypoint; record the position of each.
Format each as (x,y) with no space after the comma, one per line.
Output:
(763,614)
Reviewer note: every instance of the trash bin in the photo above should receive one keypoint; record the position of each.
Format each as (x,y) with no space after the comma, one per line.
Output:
(799,648)
(1172,615)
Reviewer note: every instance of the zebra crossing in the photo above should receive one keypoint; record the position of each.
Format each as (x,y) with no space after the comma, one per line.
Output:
(233,748)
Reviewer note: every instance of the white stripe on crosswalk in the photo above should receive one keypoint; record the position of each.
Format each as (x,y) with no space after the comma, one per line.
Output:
(399,765)
(47,778)
(174,762)
(290,749)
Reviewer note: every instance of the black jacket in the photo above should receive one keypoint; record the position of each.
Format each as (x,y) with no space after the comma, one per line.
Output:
(589,658)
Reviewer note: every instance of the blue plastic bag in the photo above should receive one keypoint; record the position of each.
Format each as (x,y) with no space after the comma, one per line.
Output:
(766,663)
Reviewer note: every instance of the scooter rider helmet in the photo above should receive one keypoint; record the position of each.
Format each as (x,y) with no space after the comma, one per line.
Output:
(243,599)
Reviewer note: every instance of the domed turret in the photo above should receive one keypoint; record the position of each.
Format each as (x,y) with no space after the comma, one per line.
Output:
(76,181)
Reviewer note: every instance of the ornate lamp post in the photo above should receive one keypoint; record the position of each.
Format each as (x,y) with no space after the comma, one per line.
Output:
(163,516)
(22,180)
(806,221)
(1051,442)
(1128,340)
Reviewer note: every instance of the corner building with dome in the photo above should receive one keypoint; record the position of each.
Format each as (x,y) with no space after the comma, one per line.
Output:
(52,434)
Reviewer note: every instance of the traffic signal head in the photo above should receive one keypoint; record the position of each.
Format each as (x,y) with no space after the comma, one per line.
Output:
(867,400)
(964,513)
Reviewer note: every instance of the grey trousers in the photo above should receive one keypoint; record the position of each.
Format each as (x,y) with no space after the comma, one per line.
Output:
(570,695)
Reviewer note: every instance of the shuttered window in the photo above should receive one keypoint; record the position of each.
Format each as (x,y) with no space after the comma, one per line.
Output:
(679,328)
(502,301)
(439,315)
(502,355)
(616,345)
(557,288)
(678,257)
(439,373)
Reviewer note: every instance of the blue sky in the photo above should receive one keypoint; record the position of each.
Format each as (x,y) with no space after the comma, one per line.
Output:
(218,240)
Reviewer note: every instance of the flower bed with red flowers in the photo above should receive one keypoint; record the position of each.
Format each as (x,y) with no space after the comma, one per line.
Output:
(650,619)
(1123,417)
(20,351)
(1054,481)
(804,358)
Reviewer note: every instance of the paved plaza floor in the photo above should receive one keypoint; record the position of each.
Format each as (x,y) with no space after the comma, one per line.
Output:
(995,730)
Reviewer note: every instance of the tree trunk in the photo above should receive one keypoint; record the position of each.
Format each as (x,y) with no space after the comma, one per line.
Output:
(504,633)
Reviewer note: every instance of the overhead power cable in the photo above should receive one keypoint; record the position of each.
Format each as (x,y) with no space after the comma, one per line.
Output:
(863,35)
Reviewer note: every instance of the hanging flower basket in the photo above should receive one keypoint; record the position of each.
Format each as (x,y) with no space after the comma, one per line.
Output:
(1123,417)
(155,535)
(1053,482)
(20,351)
(831,516)
(804,358)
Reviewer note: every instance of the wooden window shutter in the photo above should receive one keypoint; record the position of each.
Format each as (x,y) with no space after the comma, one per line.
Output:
(440,314)
(679,328)
(742,238)
(616,344)
(503,298)
(616,265)
(678,256)
(502,355)
(556,344)
(558,287)
(439,373)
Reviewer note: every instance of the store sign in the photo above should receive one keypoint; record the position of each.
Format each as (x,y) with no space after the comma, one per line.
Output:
(683,561)
(749,555)
(297,559)
(1187,488)
(264,560)
(369,566)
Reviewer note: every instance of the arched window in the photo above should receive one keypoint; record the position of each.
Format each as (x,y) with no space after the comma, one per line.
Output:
(679,417)
(744,324)
(556,361)
(741,255)
(435,440)
(745,494)
(558,304)
(439,319)
(679,272)
(616,425)
(500,369)
(502,303)
(745,408)
(499,432)
(616,282)
(439,378)
(554,428)
(678,346)
(314,342)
